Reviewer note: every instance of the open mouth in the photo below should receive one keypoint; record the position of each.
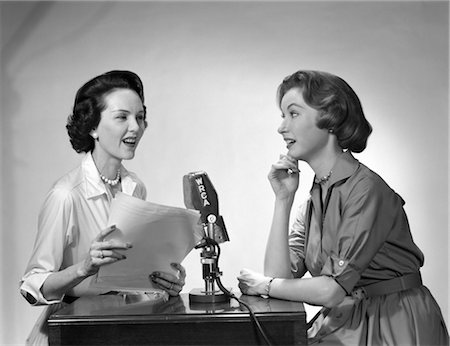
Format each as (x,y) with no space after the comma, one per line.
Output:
(130,141)
(289,142)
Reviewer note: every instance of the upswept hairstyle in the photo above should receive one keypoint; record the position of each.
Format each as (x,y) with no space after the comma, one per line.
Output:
(340,108)
(89,103)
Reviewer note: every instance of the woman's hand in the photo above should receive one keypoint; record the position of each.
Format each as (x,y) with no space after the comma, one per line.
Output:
(253,283)
(103,252)
(172,284)
(284,177)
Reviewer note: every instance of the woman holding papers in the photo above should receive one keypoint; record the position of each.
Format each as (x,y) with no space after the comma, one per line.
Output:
(106,125)
(352,235)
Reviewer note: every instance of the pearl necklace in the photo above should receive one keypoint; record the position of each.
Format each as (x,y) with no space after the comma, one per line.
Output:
(113,182)
(324,179)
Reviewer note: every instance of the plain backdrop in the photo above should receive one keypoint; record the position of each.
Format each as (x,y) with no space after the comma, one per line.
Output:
(210,71)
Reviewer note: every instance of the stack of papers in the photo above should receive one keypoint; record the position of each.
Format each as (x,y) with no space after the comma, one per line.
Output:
(160,235)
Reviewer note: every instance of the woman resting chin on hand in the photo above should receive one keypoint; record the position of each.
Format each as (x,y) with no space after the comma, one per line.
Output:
(351,235)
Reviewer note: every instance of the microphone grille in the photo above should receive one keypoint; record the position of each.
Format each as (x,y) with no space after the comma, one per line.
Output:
(187,192)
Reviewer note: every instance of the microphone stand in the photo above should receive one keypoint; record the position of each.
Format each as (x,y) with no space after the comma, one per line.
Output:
(209,259)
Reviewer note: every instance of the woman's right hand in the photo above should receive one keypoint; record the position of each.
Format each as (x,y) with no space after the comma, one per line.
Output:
(284,177)
(103,252)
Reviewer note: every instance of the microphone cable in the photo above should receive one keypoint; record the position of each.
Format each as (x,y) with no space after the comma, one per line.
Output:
(253,317)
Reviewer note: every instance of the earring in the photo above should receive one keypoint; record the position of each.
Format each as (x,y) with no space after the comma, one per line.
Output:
(95,136)
(330,130)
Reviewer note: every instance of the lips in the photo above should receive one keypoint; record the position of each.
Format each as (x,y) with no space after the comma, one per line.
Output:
(130,141)
(289,142)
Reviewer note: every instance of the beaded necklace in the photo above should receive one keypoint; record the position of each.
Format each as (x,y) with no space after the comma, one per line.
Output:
(112,182)
(324,179)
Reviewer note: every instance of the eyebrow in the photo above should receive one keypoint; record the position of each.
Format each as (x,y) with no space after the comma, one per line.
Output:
(296,105)
(126,111)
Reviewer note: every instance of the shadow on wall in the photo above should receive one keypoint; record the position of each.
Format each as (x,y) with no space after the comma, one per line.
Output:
(18,22)
(11,103)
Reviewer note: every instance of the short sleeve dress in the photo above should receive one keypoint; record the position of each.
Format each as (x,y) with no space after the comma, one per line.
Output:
(360,236)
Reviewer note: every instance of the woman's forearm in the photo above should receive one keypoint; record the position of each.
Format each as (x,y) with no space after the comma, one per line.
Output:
(58,283)
(277,260)
(321,290)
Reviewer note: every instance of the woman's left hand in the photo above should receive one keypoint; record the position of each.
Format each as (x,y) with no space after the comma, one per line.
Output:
(252,283)
(172,284)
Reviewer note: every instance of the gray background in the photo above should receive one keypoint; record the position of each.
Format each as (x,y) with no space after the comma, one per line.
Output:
(211,70)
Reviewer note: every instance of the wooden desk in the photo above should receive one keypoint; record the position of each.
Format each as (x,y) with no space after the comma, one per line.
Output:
(120,320)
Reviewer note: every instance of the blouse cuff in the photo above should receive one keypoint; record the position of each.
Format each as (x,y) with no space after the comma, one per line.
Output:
(30,288)
(343,272)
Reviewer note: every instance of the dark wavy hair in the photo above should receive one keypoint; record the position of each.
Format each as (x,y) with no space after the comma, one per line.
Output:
(340,108)
(90,102)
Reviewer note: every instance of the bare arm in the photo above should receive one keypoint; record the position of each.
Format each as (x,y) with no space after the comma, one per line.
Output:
(277,261)
(58,283)
(321,290)
(284,178)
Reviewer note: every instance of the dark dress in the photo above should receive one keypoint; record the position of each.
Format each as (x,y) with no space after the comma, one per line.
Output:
(360,236)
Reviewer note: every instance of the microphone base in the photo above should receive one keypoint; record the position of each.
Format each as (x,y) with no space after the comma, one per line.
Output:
(197,295)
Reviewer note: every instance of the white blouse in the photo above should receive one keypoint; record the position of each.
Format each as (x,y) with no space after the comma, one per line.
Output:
(75,210)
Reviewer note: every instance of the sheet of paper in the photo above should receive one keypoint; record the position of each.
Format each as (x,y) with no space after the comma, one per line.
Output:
(160,235)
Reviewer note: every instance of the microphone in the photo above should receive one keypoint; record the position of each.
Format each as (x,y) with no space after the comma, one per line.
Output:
(200,194)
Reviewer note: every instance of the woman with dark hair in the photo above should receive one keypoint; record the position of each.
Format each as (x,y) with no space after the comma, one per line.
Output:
(351,235)
(107,123)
